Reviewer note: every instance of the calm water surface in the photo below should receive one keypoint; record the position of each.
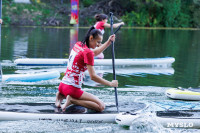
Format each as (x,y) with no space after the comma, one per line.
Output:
(138,83)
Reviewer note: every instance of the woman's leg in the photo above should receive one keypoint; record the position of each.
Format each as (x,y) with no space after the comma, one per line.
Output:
(89,101)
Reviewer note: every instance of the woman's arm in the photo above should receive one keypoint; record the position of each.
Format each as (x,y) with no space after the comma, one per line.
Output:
(100,80)
(101,48)
(107,25)
(1,21)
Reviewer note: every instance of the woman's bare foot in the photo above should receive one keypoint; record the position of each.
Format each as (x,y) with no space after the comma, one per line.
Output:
(67,103)
(63,108)
(57,104)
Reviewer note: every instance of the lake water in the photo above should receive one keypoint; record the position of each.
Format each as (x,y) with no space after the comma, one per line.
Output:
(137,83)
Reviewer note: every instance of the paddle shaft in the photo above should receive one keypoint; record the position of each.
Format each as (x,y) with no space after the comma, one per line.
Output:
(117,29)
(0,40)
(113,60)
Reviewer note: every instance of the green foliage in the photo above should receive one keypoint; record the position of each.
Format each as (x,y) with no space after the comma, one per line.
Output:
(6,19)
(183,20)
(87,3)
(166,13)
(129,18)
(148,13)
(26,13)
(91,21)
(134,18)
(171,11)
(7,1)
(46,12)
(196,18)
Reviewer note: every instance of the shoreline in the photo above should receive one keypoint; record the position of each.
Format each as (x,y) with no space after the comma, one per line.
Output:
(124,27)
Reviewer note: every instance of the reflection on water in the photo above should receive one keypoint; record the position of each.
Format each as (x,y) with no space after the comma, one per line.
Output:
(21,47)
(144,84)
(73,37)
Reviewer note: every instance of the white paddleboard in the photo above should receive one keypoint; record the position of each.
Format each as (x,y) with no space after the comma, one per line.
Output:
(169,119)
(31,77)
(47,111)
(97,62)
(183,94)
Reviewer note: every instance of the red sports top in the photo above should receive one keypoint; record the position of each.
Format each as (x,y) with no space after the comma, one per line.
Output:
(100,26)
(78,59)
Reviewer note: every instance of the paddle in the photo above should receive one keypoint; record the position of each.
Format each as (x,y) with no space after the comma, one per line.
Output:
(118,29)
(113,59)
(0,40)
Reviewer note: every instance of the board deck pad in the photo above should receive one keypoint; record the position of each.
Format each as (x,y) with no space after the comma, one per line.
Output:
(73,109)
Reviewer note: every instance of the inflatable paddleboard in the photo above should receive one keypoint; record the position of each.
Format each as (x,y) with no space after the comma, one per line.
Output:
(169,119)
(163,105)
(183,94)
(97,62)
(47,111)
(31,77)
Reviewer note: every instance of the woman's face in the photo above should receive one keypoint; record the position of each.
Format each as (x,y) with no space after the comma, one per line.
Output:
(95,42)
(105,20)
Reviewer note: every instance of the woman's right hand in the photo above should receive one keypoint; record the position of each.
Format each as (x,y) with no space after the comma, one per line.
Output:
(111,38)
(114,83)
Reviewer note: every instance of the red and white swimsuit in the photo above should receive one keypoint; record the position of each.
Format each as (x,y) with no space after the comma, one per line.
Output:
(77,65)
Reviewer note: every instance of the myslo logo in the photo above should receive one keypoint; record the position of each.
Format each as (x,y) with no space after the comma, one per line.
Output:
(180,124)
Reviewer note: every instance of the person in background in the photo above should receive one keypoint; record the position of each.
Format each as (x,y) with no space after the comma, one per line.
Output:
(1,21)
(101,24)
(81,59)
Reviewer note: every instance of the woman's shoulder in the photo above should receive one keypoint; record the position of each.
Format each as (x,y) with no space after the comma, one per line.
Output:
(88,51)
(79,46)
(82,46)
(99,23)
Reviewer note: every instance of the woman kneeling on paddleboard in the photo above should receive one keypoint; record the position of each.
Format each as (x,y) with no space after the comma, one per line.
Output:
(81,59)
